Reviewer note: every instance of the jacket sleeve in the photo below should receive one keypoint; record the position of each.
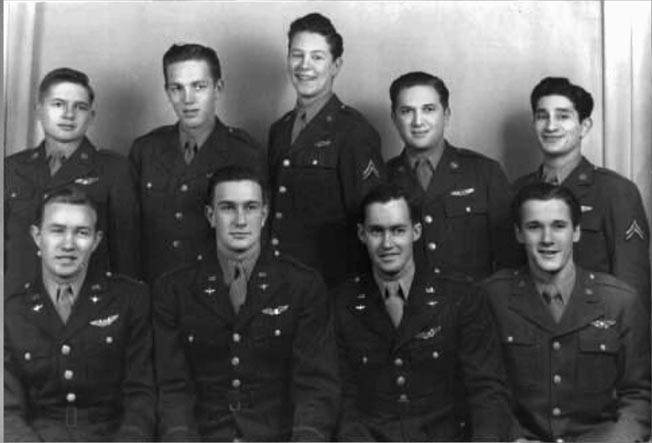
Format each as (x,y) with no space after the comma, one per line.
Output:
(16,427)
(175,392)
(316,388)
(138,386)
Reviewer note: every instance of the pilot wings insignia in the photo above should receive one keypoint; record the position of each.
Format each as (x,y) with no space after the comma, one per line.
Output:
(275,311)
(104,322)
(603,324)
(85,181)
(462,192)
(427,335)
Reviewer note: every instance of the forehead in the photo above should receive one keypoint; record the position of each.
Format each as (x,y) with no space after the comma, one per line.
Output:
(67,91)
(555,102)
(417,95)
(309,41)
(188,70)
(389,213)
(238,190)
(545,210)
(68,214)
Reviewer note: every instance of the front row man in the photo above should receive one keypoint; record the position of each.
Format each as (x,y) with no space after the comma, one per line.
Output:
(576,343)
(77,341)
(405,335)
(244,343)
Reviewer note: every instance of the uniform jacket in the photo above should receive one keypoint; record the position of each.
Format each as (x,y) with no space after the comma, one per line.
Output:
(173,194)
(267,373)
(403,384)
(586,378)
(104,175)
(466,213)
(87,380)
(317,184)
(615,231)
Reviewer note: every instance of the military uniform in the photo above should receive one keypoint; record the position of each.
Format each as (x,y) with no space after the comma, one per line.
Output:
(615,231)
(586,378)
(87,380)
(317,184)
(105,176)
(267,373)
(403,384)
(173,194)
(466,213)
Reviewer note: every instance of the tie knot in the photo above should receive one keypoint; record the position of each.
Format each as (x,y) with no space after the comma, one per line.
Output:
(549,298)
(393,290)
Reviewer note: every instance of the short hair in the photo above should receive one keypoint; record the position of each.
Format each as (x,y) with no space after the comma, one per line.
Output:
(318,24)
(192,51)
(235,173)
(384,193)
(418,78)
(580,97)
(69,194)
(545,191)
(65,75)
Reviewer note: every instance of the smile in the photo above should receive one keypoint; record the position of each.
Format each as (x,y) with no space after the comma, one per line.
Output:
(66,127)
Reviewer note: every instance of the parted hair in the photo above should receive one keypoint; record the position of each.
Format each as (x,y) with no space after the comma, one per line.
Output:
(69,194)
(545,192)
(192,51)
(384,193)
(318,24)
(235,173)
(65,75)
(580,97)
(418,78)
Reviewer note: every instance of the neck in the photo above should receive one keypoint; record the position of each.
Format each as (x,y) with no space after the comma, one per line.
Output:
(64,280)
(391,277)
(434,150)
(52,145)
(558,162)
(305,102)
(197,131)
(229,254)
(553,278)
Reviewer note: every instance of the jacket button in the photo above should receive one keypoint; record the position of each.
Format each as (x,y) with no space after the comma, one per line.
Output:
(435,355)
(71,397)
(236,383)
(275,241)
(437,271)
(178,215)
(398,362)
(235,361)
(184,188)
(286,162)
(427,219)
(279,215)
(277,253)
(176,243)
(282,189)
(277,332)
(510,339)
(14,195)
(148,185)
(28,356)
(236,338)
(556,379)
(603,347)
(400,380)
(68,374)
(468,209)
(560,440)
(432,246)
(315,162)
(556,346)
(109,340)
(402,398)
(191,338)
(364,359)
(556,412)
(65,349)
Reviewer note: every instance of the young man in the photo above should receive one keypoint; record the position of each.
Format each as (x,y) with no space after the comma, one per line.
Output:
(174,163)
(244,343)
(66,156)
(411,342)
(464,196)
(78,340)
(576,342)
(323,157)
(615,230)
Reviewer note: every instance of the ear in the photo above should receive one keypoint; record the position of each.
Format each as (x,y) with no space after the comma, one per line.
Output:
(587,124)
(417,231)
(361,235)
(518,234)
(265,213)
(337,65)
(98,238)
(447,116)
(577,233)
(208,211)
(219,87)
(35,232)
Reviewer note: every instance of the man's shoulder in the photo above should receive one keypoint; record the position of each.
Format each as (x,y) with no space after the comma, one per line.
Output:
(351,118)
(21,157)
(157,134)
(289,267)
(613,181)
(610,285)
(239,136)
(498,283)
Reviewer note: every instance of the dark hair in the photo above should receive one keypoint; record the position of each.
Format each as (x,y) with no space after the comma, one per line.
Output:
(418,78)
(580,97)
(65,75)
(318,24)
(384,193)
(545,191)
(192,51)
(235,173)
(69,194)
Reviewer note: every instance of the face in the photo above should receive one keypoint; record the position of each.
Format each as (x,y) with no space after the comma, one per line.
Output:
(238,215)
(311,66)
(548,234)
(558,126)
(192,92)
(420,118)
(389,234)
(66,239)
(65,112)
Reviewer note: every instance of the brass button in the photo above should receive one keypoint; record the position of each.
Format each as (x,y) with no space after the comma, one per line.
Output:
(403,398)
(109,340)
(279,215)
(275,241)
(398,362)
(236,383)
(556,379)
(364,359)
(468,209)
(178,215)
(603,347)
(149,185)
(510,339)
(432,246)
(65,349)
(184,188)
(235,361)
(427,219)
(28,356)
(176,244)
(286,162)
(282,189)
(191,338)
(276,253)
(236,337)
(71,397)
(556,346)
(556,412)
(437,271)
(68,374)
(277,332)
(400,380)
(435,355)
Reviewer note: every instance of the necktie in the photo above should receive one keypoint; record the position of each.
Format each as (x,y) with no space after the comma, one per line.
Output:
(555,305)
(65,300)
(394,303)
(189,151)
(300,122)
(238,288)
(55,160)
(424,172)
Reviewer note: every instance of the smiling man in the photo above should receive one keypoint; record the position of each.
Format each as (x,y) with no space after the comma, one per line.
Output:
(575,342)
(615,230)
(78,340)
(244,343)
(464,196)
(323,157)
(411,342)
(175,162)
(65,110)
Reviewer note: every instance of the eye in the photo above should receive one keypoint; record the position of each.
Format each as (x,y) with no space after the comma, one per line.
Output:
(404,111)
(82,107)
(56,104)
(375,231)
(226,207)
(318,57)
(201,86)
(560,225)
(399,230)
(252,206)
(430,108)
(84,232)
(174,88)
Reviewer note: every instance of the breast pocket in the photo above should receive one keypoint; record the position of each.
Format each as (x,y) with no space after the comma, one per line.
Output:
(523,357)
(272,328)
(35,364)
(104,343)
(592,247)
(22,204)
(155,196)
(466,223)
(597,359)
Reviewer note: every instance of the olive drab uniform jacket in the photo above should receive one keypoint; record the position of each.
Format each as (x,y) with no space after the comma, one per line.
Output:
(615,231)
(466,218)
(403,384)
(173,194)
(586,378)
(105,176)
(267,373)
(317,183)
(89,379)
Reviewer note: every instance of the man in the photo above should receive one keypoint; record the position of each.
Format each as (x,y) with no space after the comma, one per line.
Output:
(410,342)
(576,342)
(175,162)
(65,156)
(244,341)
(78,339)
(464,196)
(323,157)
(615,231)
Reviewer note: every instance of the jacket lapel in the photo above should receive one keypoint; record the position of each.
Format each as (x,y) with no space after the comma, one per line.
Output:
(524,300)
(40,310)
(78,169)
(319,127)
(214,152)
(92,299)
(368,308)
(261,288)
(445,177)
(212,292)
(584,306)
(580,180)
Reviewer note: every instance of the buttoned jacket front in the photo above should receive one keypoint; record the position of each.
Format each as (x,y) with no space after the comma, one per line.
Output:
(404,384)
(465,213)
(267,373)
(89,379)
(586,378)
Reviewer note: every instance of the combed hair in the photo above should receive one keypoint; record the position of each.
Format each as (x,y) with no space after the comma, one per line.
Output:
(235,173)
(384,193)
(192,51)
(318,24)
(418,78)
(69,194)
(545,192)
(580,97)
(65,75)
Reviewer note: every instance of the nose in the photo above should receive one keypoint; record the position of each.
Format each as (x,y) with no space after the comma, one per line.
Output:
(69,112)
(240,218)
(188,95)
(546,236)
(304,63)
(551,124)
(387,240)
(68,241)
(417,118)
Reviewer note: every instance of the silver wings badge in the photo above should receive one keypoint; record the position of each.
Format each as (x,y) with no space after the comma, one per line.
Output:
(104,322)
(275,311)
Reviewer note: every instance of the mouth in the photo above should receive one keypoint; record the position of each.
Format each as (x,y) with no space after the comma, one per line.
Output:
(240,235)
(551,138)
(548,255)
(419,134)
(66,259)
(66,127)
(188,113)
(304,77)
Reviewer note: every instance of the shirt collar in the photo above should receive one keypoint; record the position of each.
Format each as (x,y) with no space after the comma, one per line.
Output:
(563,284)
(51,286)
(404,279)
(557,175)
(313,108)
(229,261)
(433,156)
(67,150)
(199,136)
